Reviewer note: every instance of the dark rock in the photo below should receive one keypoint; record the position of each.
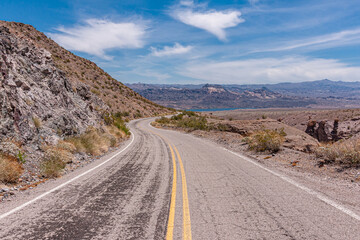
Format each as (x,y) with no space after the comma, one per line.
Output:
(320,133)
(310,129)
(334,133)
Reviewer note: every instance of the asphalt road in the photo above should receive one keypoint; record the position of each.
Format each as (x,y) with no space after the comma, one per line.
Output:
(215,194)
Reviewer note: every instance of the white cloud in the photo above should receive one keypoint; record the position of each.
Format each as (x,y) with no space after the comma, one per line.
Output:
(167,51)
(271,70)
(187,3)
(212,21)
(96,36)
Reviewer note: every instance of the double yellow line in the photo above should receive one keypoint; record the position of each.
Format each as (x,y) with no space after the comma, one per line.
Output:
(186,210)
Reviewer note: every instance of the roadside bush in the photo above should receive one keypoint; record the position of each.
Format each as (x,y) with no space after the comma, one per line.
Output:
(10,169)
(187,120)
(97,141)
(163,120)
(265,140)
(177,117)
(52,164)
(116,120)
(343,152)
(193,123)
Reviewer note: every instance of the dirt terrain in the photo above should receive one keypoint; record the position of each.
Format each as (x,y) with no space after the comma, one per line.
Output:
(349,119)
(298,152)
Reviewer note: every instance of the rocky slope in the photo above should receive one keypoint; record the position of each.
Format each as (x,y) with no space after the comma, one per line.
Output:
(57,110)
(116,95)
(38,102)
(216,96)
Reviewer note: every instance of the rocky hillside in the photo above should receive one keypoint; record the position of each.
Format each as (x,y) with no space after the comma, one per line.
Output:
(37,100)
(216,96)
(57,110)
(116,95)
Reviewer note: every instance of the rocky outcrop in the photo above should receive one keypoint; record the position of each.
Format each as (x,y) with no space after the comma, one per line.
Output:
(320,133)
(310,129)
(322,130)
(334,133)
(38,104)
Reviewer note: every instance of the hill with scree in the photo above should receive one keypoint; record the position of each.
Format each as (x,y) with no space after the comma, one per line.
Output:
(57,110)
(116,95)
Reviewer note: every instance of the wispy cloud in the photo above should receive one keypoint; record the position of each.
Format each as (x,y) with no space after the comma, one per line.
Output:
(327,40)
(168,51)
(253,2)
(211,20)
(270,70)
(96,36)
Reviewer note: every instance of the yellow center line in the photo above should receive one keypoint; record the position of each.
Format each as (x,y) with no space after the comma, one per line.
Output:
(186,210)
(170,226)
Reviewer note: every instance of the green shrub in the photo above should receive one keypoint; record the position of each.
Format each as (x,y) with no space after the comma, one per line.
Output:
(177,117)
(163,120)
(21,157)
(193,123)
(265,140)
(52,165)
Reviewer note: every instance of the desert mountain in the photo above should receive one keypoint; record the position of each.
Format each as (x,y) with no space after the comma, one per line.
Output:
(116,95)
(321,88)
(55,107)
(217,96)
(323,93)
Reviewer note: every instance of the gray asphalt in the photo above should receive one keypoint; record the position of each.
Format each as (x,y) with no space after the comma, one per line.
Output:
(129,198)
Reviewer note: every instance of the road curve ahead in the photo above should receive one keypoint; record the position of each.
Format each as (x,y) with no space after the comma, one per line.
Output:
(169,185)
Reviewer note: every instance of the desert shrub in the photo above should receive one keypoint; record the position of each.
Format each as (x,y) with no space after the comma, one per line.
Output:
(265,140)
(95,91)
(137,115)
(10,169)
(52,164)
(189,113)
(177,117)
(37,122)
(187,120)
(163,120)
(193,123)
(21,157)
(97,141)
(344,152)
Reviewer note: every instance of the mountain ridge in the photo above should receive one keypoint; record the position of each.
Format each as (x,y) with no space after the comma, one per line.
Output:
(321,93)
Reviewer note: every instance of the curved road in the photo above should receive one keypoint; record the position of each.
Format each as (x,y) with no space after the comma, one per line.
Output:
(167,185)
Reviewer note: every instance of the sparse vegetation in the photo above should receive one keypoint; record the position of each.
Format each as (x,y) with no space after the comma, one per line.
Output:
(343,152)
(10,169)
(21,157)
(187,120)
(37,122)
(265,141)
(52,164)
(97,141)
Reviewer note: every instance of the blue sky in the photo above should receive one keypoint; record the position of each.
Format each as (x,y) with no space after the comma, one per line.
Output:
(185,41)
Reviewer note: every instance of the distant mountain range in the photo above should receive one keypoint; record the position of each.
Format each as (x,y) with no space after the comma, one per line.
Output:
(322,93)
